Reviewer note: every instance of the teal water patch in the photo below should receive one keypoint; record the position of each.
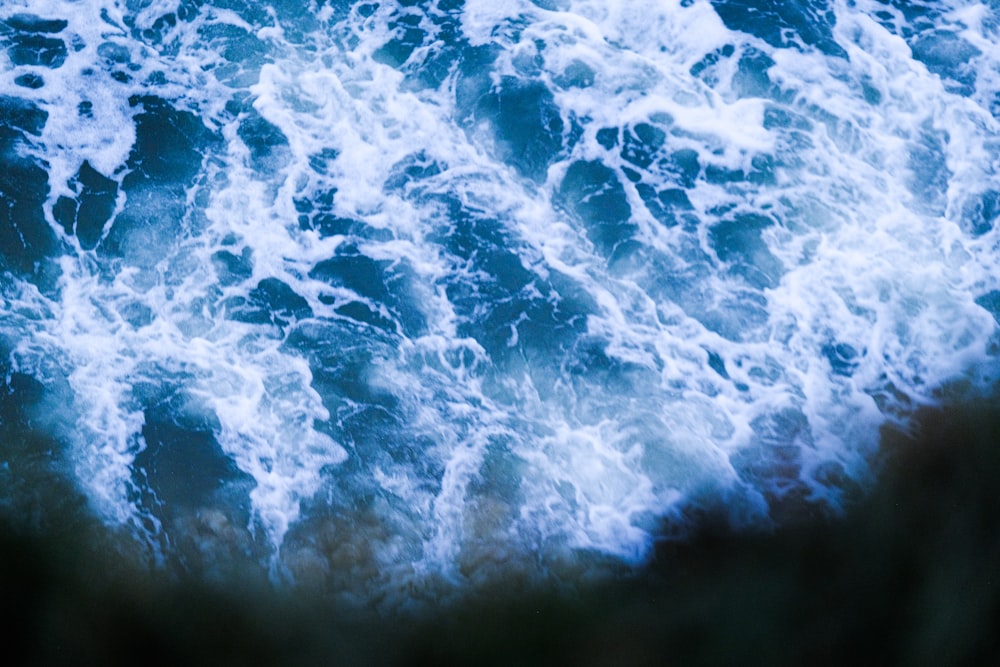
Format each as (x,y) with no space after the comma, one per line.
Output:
(751,78)
(232,269)
(640,143)
(383,284)
(412,169)
(341,355)
(86,215)
(26,240)
(843,358)
(991,302)
(592,191)
(528,123)
(181,467)
(21,118)
(161,167)
(30,42)
(784,23)
(407,36)
(29,80)
(268,146)
(738,242)
(981,212)
(426,41)
(949,56)
(319,212)
(272,301)
(929,170)
(501,303)
(664,205)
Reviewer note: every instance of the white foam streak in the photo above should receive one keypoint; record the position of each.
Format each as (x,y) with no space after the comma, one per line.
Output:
(86,338)
(267,411)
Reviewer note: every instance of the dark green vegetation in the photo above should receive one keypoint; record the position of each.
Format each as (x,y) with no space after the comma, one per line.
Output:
(910,576)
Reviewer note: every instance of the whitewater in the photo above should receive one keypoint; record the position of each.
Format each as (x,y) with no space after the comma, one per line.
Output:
(395,299)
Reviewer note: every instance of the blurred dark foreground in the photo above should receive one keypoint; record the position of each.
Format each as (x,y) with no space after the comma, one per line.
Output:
(911,576)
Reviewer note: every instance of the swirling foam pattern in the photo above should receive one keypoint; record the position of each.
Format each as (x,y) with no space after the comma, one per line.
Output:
(402,297)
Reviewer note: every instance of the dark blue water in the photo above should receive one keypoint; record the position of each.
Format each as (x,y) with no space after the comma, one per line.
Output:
(395,299)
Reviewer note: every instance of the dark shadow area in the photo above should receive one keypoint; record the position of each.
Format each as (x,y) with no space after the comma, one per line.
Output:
(911,575)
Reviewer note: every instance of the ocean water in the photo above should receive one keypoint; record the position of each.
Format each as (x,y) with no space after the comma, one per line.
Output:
(399,299)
